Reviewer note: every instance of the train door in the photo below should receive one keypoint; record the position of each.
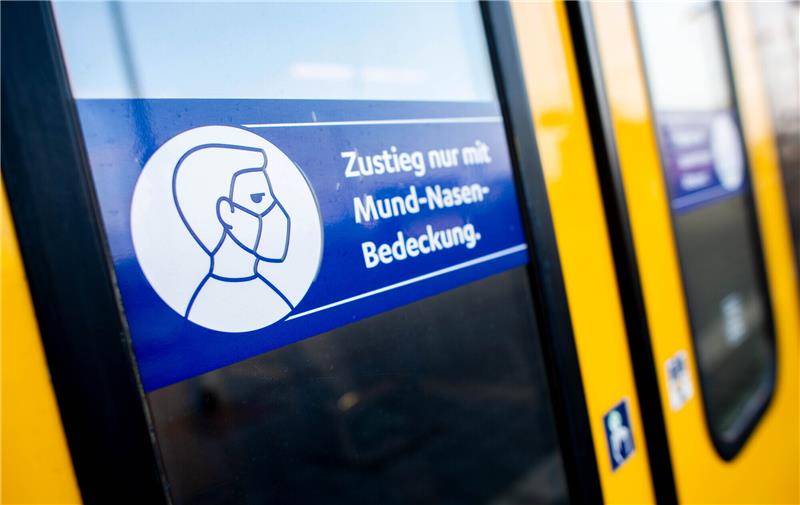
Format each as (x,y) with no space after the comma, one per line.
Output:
(693,207)
(284,252)
(562,135)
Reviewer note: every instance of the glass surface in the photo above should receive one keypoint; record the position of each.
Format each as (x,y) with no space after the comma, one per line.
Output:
(440,401)
(715,231)
(359,51)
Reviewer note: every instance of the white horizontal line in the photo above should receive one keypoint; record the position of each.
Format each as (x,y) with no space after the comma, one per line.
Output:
(466,264)
(432,120)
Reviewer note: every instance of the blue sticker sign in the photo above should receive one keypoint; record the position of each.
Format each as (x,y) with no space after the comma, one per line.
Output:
(619,434)
(703,157)
(240,226)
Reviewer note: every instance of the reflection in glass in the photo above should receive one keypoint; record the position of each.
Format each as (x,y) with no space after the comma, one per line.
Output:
(442,401)
(343,51)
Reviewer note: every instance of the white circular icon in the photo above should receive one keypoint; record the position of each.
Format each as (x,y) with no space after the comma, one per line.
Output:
(726,150)
(226,229)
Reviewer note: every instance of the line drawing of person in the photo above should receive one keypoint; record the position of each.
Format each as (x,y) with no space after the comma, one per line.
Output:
(620,437)
(225,199)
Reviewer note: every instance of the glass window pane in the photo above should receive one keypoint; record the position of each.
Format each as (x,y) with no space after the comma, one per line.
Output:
(438,398)
(358,51)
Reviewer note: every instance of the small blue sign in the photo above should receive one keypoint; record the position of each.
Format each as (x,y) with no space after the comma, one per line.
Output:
(704,159)
(619,434)
(240,226)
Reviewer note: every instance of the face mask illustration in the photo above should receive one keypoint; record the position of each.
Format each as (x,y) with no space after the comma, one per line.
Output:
(226,229)
(225,198)
(254,218)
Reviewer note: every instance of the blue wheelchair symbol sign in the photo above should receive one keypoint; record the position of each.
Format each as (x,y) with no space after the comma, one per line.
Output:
(619,435)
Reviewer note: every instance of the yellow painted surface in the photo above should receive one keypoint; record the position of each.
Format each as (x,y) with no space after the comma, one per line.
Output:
(767,469)
(36,467)
(565,148)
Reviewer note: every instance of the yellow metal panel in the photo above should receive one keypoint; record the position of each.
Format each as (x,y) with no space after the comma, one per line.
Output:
(36,467)
(766,470)
(579,220)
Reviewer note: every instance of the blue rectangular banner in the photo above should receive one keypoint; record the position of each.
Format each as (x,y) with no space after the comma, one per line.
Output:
(704,160)
(240,226)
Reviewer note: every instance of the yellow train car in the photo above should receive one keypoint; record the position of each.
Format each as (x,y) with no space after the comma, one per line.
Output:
(691,170)
(390,252)
(563,138)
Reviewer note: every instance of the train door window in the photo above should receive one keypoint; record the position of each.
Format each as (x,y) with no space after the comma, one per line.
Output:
(340,147)
(713,213)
